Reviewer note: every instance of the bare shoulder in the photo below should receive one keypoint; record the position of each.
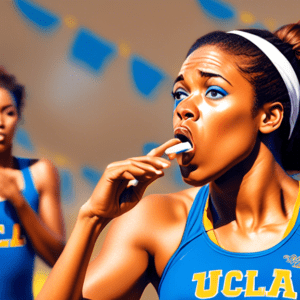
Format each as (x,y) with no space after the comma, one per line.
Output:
(44,173)
(168,207)
(155,214)
(154,206)
(42,165)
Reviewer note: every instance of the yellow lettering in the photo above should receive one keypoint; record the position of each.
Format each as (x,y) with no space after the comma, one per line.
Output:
(250,285)
(227,291)
(214,276)
(3,243)
(17,240)
(282,279)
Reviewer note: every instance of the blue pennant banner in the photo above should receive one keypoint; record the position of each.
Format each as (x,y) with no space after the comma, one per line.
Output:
(218,9)
(38,16)
(22,138)
(147,147)
(67,186)
(91,175)
(146,76)
(92,51)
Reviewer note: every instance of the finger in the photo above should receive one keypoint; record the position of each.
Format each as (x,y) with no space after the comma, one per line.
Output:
(150,175)
(160,150)
(149,169)
(134,168)
(116,164)
(172,156)
(157,162)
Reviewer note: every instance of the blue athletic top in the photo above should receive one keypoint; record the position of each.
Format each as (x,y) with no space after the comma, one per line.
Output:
(16,252)
(200,269)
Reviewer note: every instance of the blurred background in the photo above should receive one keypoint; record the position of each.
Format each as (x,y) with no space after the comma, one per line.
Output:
(98,76)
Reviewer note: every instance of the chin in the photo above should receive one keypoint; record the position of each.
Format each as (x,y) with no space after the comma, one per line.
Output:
(4,147)
(193,176)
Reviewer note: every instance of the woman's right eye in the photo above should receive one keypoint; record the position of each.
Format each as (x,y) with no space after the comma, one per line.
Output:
(179,95)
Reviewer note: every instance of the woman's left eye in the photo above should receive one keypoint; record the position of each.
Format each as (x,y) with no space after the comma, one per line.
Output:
(11,113)
(215,92)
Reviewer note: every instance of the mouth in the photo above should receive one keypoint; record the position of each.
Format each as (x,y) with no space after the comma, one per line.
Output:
(184,135)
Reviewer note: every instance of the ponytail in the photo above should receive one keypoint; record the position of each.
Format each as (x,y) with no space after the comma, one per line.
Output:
(290,153)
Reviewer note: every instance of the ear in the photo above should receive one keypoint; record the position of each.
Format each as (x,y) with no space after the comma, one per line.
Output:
(271,115)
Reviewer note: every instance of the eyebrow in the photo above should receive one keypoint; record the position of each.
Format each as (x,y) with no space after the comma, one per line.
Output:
(7,106)
(203,74)
(179,78)
(207,74)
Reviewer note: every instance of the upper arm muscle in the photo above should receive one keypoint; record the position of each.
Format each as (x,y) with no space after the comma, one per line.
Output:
(119,271)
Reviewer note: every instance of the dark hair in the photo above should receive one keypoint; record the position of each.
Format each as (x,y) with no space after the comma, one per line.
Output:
(8,82)
(267,83)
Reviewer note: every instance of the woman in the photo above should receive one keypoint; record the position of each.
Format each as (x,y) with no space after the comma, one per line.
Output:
(236,237)
(30,211)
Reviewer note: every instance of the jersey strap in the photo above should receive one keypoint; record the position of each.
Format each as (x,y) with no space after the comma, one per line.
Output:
(194,225)
(294,217)
(29,192)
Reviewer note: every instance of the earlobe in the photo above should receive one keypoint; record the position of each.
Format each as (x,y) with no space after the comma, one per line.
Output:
(271,117)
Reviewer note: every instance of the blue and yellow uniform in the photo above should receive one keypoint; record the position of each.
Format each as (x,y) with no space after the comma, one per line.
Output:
(200,269)
(16,252)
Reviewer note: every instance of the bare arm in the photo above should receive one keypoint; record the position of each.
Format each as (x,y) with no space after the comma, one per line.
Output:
(119,270)
(68,272)
(117,273)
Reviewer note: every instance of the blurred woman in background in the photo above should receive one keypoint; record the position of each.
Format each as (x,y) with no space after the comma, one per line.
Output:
(30,211)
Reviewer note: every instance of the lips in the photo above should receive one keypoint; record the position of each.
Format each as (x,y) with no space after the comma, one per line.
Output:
(184,135)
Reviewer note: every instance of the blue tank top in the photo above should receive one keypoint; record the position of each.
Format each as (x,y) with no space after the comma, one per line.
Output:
(16,252)
(200,269)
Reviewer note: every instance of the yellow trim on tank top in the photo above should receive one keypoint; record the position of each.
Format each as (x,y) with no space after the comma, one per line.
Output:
(209,228)
(294,217)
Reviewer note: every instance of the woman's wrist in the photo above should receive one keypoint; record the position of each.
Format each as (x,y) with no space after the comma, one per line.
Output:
(86,214)
(90,223)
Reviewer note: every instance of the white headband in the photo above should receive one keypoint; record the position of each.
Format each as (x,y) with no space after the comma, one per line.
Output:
(284,68)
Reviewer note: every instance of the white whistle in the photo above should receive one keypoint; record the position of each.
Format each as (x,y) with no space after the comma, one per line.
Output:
(179,148)
(133,182)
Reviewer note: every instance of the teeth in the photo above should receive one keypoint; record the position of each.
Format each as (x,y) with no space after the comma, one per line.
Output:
(179,148)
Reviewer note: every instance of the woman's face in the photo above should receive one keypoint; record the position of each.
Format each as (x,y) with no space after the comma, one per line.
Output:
(8,119)
(214,110)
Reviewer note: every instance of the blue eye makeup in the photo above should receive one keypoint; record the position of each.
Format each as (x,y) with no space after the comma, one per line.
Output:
(215,92)
(179,95)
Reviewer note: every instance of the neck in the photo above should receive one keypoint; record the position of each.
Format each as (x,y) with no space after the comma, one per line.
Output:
(253,192)
(6,159)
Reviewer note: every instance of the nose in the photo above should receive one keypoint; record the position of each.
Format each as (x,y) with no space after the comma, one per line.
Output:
(187,110)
